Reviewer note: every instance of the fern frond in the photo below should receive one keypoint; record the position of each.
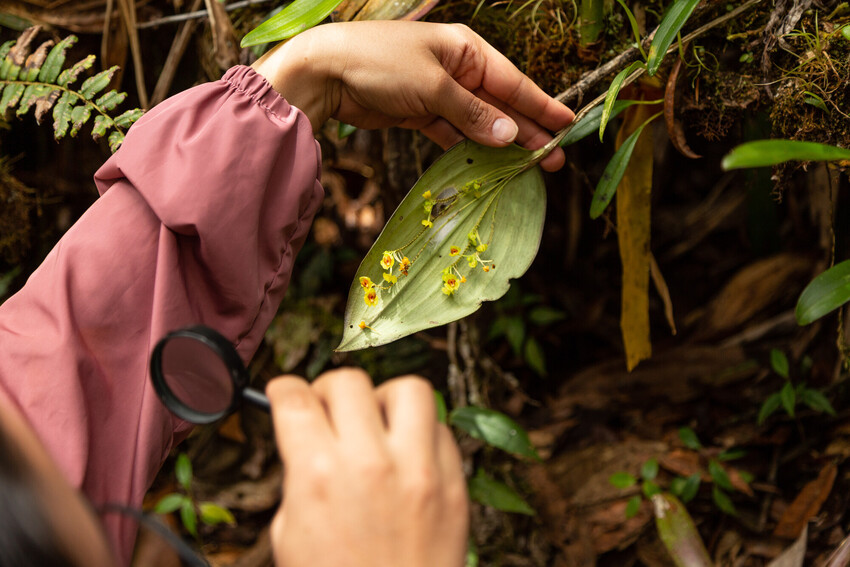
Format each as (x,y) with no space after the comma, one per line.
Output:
(39,79)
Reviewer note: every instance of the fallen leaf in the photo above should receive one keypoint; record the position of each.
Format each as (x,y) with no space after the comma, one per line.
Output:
(674,127)
(807,504)
(794,555)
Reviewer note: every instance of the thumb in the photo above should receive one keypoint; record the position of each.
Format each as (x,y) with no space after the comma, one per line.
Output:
(477,119)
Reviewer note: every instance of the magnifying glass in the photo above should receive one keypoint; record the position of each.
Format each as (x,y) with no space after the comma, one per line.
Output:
(199,376)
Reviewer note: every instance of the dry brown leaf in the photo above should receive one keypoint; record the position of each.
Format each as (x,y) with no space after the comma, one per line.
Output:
(794,555)
(756,286)
(610,529)
(633,222)
(674,127)
(807,504)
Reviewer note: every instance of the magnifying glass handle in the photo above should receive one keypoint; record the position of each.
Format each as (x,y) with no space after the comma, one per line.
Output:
(257,398)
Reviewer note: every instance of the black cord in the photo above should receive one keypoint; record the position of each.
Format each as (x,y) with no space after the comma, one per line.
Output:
(183,549)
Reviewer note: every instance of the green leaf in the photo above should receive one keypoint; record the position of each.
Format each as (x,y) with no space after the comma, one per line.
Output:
(471,554)
(294,19)
(678,533)
(494,428)
(719,475)
(110,100)
(515,333)
(612,93)
(845,31)
(97,83)
(779,362)
(30,94)
(101,125)
(62,114)
(731,455)
(689,438)
(788,397)
(128,118)
(541,316)
(635,29)
(345,130)
(55,60)
(722,501)
(650,489)
(668,29)
(472,188)
(761,153)
(169,503)
(116,138)
(79,116)
(614,172)
(815,101)
(827,292)
(590,122)
(183,471)
(649,470)
(622,480)
(770,405)
(686,488)
(69,75)
(534,356)
(10,97)
(189,517)
(633,506)
(817,401)
(442,412)
(490,492)
(213,514)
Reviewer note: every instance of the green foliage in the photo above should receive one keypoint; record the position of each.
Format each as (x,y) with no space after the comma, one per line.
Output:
(790,395)
(686,488)
(38,80)
(668,29)
(614,171)
(634,25)
(611,97)
(471,223)
(494,428)
(761,153)
(190,511)
(486,490)
(298,16)
(824,294)
(689,438)
(590,122)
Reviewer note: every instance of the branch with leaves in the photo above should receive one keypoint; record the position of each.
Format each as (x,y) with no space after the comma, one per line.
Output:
(38,79)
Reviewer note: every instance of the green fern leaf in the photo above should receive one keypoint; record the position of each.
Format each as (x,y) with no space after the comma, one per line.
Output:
(110,100)
(11,96)
(34,62)
(31,94)
(126,119)
(44,103)
(116,138)
(4,52)
(102,123)
(55,60)
(79,116)
(97,83)
(70,74)
(62,115)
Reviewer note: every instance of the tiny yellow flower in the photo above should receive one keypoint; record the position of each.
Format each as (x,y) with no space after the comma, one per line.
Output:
(454,251)
(463,279)
(371,297)
(486,268)
(427,223)
(427,194)
(472,261)
(390,278)
(362,324)
(404,265)
(448,290)
(481,247)
(387,261)
(366,283)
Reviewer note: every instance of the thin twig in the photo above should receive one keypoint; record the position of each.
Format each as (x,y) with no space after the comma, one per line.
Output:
(177,18)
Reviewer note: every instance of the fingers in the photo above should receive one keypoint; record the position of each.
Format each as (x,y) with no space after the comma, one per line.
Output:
(354,412)
(477,119)
(300,422)
(411,416)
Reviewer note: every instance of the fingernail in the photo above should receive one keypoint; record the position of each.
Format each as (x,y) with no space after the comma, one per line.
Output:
(505,130)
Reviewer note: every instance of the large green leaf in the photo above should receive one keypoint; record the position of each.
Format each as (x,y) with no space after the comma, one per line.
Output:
(614,171)
(827,292)
(472,188)
(669,27)
(590,123)
(494,428)
(761,153)
(485,489)
(612,93)
(292,20)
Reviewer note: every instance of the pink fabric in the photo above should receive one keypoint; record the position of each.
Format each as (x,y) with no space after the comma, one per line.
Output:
(200,216)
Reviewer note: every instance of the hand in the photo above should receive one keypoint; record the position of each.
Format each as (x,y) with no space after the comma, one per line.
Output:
(442,79)
(372,478)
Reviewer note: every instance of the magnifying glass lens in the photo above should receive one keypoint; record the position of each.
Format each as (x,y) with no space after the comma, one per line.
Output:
(196,375)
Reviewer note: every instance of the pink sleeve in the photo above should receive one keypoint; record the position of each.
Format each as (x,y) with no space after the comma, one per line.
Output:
(202,212)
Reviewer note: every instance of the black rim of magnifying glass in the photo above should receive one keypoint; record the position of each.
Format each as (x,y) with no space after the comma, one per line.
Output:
(220,346)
